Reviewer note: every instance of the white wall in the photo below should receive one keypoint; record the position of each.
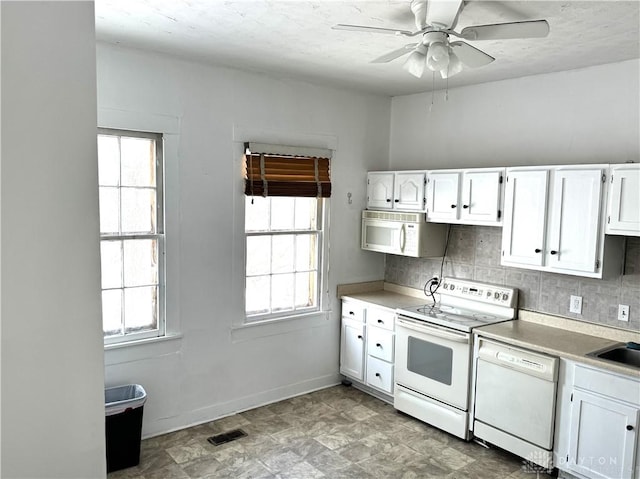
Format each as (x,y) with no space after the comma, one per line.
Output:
(579,116)
(214,370)
(52,359)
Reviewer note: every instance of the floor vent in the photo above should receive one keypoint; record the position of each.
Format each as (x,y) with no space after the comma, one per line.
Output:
(226,437)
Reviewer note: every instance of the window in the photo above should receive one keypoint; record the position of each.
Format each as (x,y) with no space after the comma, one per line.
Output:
(130,176)
(283,238)
(284,229)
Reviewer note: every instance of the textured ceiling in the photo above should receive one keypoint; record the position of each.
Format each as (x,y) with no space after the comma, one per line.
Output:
(294,37)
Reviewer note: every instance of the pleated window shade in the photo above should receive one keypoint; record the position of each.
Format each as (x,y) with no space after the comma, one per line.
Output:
(276,170)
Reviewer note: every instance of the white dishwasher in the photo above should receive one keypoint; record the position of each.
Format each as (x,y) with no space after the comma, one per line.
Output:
(515,397)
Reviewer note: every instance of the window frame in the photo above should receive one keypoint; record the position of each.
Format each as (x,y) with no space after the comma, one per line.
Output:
(321,232)
(161,330)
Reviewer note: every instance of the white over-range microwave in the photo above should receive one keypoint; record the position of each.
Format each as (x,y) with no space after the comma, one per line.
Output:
(406,234)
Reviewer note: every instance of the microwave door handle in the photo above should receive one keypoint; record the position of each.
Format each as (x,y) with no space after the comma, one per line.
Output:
(403,237)
(433,331)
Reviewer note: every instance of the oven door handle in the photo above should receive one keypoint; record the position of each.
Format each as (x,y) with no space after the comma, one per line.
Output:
(440,333)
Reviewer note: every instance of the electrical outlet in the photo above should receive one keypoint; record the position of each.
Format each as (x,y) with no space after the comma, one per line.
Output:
(575,304)
(623,312)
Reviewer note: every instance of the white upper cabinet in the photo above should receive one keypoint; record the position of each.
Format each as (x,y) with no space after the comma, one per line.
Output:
(471,196)
(380,190)
(553,219)
(623,213)
(401,190)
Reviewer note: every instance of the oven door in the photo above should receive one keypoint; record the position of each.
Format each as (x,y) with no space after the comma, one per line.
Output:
(433,361)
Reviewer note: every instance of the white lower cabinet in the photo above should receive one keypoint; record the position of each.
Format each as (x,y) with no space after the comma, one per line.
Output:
(367,345)
(598,424)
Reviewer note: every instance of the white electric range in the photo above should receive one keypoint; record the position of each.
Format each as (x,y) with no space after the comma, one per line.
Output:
(434,350)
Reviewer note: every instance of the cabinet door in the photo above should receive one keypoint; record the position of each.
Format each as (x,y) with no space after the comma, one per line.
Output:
(408,190)
(442,196)
(525,210)
(352,349)
(624,200)
(574,222)
(380,190)
(480,197)
(603,437)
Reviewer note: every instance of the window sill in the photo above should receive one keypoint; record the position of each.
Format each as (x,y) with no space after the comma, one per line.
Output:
(141,342)
(273,327)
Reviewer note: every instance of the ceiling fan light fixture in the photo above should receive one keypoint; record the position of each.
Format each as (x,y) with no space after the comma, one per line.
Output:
(416,62)
(438,57)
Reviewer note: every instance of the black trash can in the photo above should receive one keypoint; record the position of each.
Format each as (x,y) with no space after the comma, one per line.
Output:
(123,425)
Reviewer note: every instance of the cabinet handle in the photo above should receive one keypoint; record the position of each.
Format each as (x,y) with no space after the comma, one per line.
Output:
(352,313)
(378,375)
(629,427)
(359,336)
(380,321)
(553,252)
(397,201)
(538,250)
(453,206)
(378,345)
(388,200)
(465,206)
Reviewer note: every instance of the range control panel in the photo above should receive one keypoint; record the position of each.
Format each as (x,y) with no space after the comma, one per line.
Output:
(484,292)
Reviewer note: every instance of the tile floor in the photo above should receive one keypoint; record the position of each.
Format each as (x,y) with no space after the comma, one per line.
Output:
(335,433)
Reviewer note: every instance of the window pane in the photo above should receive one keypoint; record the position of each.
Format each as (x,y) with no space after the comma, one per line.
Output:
(111,262)
(140,312)
(109,210)
(138,162)
(256,216)
(112,312)
(306,213)
(258,293)
(306,252)
(258,255)
(140,262)
(282,259)
(306,291)
(138,210)
(108,161)
(282,292)
(282,213)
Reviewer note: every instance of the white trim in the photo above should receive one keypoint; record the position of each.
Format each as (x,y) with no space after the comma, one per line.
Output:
(276,326)
(262,135)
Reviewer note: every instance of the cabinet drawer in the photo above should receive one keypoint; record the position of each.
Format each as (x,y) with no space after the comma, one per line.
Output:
(380,374)
(380,344)
(353,310)
(607,384)
(381,318)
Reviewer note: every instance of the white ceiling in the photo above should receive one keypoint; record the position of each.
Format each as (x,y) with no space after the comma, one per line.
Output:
(294,38)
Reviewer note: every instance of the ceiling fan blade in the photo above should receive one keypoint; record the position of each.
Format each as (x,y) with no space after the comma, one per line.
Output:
(361,28)
(501,31)
(443,13)
(387,57)
(470,56)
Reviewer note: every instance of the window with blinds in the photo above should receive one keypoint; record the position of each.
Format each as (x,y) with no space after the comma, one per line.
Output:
(284,229)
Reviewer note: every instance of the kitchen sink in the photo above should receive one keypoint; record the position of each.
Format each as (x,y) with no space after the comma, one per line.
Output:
(628,354)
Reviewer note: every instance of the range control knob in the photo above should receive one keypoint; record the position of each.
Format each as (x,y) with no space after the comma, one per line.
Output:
(452,287)
(505,296)
(445,285)
(488,294)
(496,295)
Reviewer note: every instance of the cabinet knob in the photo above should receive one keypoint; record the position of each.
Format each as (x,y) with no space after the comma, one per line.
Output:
(378,345)
(388,200)
(397,200)
(352,313)
(453,206)
(629,427)
(553,252)
(380,321)
(359,336)
(465,206)
(378,375)
(538,250)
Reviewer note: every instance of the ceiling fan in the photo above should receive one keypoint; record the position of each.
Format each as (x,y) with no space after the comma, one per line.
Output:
(435,21)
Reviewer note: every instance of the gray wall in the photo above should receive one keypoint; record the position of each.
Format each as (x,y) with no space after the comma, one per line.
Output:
(474,253)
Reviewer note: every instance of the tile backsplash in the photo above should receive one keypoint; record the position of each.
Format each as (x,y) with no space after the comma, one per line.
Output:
(474,253)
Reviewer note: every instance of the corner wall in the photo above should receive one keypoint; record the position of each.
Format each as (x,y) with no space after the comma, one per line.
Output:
(52,357)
